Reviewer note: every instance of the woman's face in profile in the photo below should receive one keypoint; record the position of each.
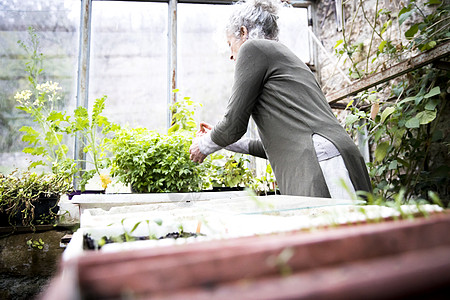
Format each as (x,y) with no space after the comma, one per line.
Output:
(234,44)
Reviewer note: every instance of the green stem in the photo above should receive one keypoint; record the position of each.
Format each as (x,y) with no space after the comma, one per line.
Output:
(345,41)
(368,21)
(371,38)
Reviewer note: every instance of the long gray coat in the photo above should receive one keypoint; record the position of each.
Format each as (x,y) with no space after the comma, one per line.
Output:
(279,91)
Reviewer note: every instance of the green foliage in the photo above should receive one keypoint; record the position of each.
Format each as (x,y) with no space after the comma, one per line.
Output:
(20,191)
(230,172)
(405,134)
(404,129)
(33,66)
(92,131)
(46,138)
(39,244)
(265,183)
(430,30)
(183,115)
(53,126)
(153,162)
(40,103)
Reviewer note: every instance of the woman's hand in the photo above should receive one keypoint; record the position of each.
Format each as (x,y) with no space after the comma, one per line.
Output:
(194,150)
(204,129)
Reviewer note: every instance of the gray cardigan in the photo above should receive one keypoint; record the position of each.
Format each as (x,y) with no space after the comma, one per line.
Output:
(281,94)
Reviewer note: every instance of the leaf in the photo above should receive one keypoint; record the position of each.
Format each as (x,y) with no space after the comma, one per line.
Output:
(429,46)
(55,116)
(404,14)
(434,2)
(426,116)
(173,128)
(393,165)
(351,119)
(431,104)
(349,104)
(435,91)
(381,151)
(374,110)
(407,100)
(191,124)
(135,226)
(381,46)
(269,169)
(411,32)
(413,123)
(338,43)
(386,113)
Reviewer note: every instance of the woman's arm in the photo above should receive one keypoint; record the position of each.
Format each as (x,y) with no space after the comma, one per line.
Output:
(251,69)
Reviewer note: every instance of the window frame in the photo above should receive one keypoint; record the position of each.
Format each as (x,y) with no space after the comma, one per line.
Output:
(85,46)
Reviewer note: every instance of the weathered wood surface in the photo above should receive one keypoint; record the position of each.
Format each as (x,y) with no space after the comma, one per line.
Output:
(397,70)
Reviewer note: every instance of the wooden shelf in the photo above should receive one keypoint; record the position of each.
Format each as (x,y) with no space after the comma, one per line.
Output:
(397,70)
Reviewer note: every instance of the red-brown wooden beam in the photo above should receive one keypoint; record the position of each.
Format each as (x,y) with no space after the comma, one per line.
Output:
(224,266)
(397,70)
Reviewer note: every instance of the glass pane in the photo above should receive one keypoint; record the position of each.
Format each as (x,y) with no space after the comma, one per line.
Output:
(205,72)
(56,23)
(293,25)
(128,61)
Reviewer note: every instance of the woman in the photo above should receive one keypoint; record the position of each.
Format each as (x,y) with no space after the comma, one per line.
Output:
(309,151)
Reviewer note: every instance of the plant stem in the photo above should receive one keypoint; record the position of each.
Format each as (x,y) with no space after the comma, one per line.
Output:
(371,38)
(345,41)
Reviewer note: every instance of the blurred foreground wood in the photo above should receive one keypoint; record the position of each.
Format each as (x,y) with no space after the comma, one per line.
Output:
(388,260)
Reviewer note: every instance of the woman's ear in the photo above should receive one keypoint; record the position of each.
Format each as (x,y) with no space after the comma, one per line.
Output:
(244,33)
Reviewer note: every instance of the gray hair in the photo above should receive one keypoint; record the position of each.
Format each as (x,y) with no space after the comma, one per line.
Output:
(258,16)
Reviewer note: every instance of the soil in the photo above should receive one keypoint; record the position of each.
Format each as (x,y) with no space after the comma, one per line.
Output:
(90,244)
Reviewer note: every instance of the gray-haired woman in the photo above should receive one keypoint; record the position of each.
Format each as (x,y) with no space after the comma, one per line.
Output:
(308,149)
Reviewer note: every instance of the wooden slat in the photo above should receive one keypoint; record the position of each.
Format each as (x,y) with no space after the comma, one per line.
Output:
(399,69)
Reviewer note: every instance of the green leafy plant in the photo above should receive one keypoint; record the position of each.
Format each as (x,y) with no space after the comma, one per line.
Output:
(266,183)
(21,192)
(151,162)
(53,126)
(39,244)
(431,30)
(382,49)
(405,120)
(183,115)
(42,102)
(229,171)
(93,132)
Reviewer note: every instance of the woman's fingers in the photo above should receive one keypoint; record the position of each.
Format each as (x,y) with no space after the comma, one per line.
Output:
(195,154)
(205,126)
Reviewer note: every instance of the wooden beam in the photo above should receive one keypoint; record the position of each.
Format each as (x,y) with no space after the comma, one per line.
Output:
(399,69)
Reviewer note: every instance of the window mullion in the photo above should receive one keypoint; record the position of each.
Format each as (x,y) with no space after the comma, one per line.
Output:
(172,58)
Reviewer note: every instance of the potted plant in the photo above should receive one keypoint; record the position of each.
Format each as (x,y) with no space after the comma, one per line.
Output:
(52,126)
(42,102)
(152,162)
(92,131)
(227,173)
(29,199)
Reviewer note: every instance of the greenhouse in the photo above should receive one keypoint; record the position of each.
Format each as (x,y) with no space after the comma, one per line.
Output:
(224,149)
